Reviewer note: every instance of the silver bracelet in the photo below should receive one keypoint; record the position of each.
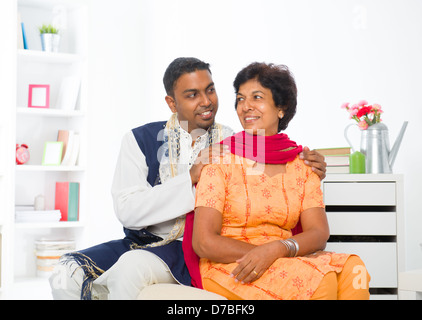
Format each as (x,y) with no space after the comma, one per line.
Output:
(296,246)
(292,247)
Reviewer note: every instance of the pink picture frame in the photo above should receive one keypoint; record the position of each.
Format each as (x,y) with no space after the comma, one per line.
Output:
(39,96)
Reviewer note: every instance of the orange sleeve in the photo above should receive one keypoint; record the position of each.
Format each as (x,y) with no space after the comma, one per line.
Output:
(313,196)
(210,189)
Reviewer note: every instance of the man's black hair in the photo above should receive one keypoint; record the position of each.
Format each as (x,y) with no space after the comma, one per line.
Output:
(179,67)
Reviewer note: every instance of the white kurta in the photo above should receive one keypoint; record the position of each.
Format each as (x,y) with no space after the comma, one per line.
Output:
(137,204)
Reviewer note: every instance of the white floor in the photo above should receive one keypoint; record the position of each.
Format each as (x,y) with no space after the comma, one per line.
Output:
(28,289)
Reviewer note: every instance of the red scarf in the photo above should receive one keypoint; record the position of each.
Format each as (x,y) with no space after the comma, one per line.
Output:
(276,149)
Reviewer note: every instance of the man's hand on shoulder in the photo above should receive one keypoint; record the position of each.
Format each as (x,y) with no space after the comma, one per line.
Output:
(315,160)
(207,156)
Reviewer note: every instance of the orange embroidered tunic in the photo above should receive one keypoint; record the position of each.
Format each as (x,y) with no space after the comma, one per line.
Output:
(257,209)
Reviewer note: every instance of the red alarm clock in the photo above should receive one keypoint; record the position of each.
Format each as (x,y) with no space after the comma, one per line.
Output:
(22,154)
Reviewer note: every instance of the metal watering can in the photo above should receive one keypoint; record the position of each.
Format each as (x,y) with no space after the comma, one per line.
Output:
(374,144)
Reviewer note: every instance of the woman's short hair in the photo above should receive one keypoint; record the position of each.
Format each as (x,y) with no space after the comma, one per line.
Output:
(279,80)
(179,67)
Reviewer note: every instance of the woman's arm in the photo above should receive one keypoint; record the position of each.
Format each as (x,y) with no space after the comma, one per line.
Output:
(208,242)
(313,238)
(315,231)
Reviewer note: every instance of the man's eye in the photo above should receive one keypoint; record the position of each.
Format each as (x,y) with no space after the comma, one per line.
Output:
(257,97)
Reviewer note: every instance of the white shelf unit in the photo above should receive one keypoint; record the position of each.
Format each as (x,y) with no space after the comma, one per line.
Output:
(7,140)
(366,217)
(34,127)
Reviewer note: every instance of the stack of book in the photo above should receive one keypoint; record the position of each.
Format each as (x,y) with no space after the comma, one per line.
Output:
(48,253)
(337,159)
(29,214)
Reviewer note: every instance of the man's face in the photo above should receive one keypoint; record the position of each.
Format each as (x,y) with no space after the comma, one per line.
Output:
(195,100)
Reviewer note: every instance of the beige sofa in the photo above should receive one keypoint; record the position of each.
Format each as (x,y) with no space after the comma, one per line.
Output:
(166,291)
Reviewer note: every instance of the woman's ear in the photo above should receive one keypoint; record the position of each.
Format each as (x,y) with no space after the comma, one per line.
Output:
(280,114)
(171,103)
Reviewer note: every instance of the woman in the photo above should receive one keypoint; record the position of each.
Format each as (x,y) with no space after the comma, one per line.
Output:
(247,206)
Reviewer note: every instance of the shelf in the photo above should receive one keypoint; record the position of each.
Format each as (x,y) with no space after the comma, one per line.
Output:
(48,57)
(40,168)
(383,177)
(49,112)
(34,126)
(48,4)
(48,225)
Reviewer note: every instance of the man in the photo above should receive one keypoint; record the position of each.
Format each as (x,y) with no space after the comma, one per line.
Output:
(153,189)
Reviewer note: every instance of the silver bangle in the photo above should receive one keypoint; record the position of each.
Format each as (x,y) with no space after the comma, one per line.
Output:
(296,246)
(292,247)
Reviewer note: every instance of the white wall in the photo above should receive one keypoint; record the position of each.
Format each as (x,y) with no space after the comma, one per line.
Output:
(338,51)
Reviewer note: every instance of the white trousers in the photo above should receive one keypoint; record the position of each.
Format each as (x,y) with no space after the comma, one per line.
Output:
(134,270)
(66,282)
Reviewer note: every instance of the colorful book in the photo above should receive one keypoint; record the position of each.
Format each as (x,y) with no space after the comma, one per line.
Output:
(334,151)
(338,160)
(67,200)
(338,169)
(25,45)
(63,135)
(72,149)
(19,33)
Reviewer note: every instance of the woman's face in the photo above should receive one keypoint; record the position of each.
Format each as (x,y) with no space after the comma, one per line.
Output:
(256,109)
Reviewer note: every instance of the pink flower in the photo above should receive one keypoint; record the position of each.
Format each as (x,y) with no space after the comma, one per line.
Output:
(363,113)
(353,112)
(377,107)
(345,105)
(362,103)
(363,125)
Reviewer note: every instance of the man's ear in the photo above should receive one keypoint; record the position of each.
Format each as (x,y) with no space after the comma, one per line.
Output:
(171,103)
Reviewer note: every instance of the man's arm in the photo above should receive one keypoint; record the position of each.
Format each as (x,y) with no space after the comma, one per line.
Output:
(315,160)
(137,204)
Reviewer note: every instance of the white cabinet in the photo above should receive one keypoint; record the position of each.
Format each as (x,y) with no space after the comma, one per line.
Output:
(365,215)
(20,124)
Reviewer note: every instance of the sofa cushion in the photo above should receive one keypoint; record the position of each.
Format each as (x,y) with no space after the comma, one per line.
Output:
(167,291)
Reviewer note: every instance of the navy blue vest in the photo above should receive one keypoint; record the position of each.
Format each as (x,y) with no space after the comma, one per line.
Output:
(150,138)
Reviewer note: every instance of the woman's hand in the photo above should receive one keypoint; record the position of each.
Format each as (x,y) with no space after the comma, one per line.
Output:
(254,263)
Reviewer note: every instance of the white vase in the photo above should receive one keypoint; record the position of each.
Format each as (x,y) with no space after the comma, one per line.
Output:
(50,42)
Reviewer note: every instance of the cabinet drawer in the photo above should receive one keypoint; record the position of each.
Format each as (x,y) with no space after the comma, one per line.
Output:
(379,259)
(362,223)
(360,193)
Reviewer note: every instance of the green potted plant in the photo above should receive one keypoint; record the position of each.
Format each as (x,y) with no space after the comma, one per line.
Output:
(50,38)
